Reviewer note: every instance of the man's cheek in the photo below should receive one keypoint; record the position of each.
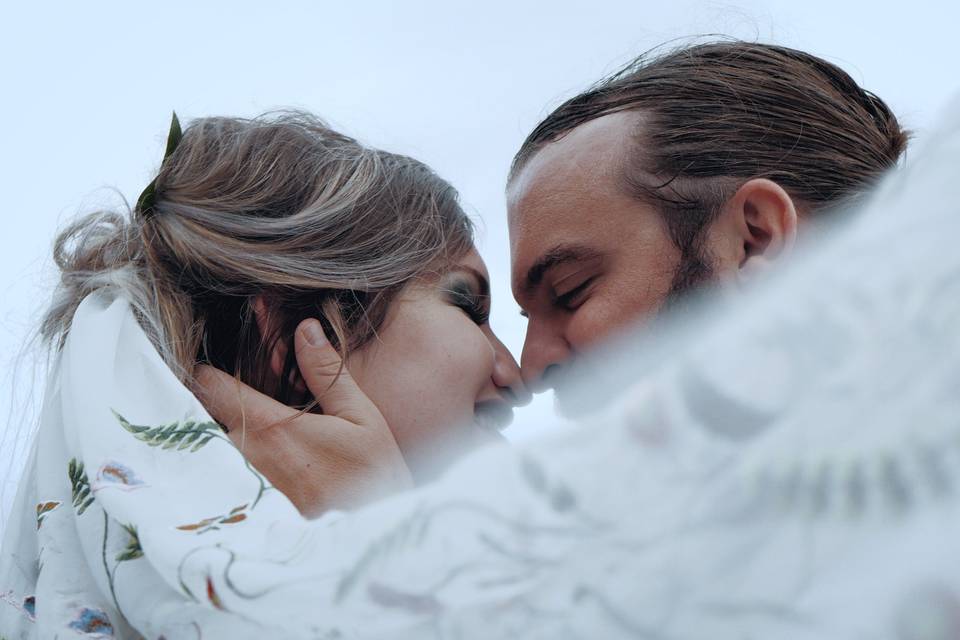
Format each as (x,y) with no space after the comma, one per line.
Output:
(588,325)
(596,320)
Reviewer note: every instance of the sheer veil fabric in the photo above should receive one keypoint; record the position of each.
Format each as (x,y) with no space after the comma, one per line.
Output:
(790,468)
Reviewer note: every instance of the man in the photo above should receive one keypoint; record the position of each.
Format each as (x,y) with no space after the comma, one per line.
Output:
(700,165)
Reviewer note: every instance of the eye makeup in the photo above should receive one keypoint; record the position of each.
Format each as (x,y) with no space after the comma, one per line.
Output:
(463,293)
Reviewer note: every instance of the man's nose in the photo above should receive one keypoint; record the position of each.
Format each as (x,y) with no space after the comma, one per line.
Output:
(544,350)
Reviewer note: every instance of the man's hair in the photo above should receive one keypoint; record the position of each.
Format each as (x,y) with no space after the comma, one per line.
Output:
(713,115)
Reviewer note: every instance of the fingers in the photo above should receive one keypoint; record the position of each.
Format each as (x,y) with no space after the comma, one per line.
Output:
(235,405)
(328,380)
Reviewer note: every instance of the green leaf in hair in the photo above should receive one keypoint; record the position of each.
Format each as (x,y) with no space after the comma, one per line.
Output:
(148,197)
(174,136)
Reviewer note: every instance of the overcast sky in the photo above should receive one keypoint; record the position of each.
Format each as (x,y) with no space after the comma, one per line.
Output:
(88,89)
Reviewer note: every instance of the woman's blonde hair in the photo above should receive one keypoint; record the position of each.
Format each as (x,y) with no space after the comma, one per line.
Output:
(279,206)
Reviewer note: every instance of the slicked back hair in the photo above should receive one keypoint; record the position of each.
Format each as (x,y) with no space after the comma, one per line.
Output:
(712,116)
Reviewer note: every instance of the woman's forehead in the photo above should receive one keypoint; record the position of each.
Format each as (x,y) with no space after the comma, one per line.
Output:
(470,263)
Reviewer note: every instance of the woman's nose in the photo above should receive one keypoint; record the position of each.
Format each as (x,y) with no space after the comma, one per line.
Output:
(506,374)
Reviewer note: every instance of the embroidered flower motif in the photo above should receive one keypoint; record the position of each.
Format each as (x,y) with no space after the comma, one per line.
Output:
(28,605)
(113,474)
(93,623)
(43,508)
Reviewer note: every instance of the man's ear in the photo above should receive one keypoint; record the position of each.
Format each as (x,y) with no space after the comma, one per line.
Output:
(765,219)
(267,325)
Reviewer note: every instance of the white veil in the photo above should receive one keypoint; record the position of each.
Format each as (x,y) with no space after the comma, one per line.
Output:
(787,467)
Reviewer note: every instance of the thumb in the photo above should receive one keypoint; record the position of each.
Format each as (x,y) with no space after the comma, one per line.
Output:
(328,379)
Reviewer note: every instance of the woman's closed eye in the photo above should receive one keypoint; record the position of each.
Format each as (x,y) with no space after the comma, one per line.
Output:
(464,296)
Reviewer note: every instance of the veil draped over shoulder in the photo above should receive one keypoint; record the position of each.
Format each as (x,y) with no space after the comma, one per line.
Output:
(787,468)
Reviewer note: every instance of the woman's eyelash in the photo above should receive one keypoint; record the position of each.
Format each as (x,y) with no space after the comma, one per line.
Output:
(473,304)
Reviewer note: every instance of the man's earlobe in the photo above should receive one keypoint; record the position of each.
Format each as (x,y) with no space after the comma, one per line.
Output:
(769,225)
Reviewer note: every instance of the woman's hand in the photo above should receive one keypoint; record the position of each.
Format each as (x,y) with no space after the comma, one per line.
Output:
(341,459)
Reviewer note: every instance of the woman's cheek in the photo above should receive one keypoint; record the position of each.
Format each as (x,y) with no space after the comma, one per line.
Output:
(475,358)
(425,374)
(460,371)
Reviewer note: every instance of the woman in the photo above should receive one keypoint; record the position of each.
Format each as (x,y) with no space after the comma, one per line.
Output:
(287,261)
(257,231)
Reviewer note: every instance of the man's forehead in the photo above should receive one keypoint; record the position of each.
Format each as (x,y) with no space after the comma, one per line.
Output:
(553,199)
(594,150)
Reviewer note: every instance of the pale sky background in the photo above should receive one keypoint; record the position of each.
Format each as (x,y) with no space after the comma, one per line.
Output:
(88,89)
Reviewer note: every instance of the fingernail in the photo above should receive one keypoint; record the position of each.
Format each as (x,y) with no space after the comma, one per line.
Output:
(313,332)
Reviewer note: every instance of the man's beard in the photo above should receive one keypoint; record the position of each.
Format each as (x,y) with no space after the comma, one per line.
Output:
(692,273)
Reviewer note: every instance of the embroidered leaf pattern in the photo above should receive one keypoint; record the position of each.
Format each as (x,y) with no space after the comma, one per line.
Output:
(80,486)
(237,514)
(533,473)
(411,529)
(560,497)
(212,595)
(193,436)
(43,508)
(186,590)
(393,598)
(186,435)
(133,550)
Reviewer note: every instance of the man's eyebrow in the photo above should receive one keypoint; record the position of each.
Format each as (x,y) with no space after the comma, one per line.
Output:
(560,254)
